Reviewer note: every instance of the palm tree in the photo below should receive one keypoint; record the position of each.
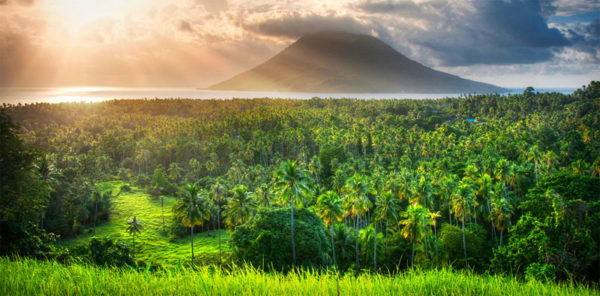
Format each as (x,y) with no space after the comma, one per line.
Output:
(329,208)
(240,207)
(534,155)
(134,226)
(500,214)
(218,196)
(420,190)
(413,227)
(262,195)
(357,201)
(596,167)
(190,205)
(387,207)
(485,191)
(431,217)
(98,198)
(447,187)
(463,200)
(293,184)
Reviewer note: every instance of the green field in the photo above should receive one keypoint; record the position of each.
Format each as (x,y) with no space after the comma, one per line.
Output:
(153,245)
(31,277)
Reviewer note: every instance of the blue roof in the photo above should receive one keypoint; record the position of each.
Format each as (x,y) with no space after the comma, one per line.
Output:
(471,120)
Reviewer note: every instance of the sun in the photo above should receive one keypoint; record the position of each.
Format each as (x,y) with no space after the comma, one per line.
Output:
(76,14)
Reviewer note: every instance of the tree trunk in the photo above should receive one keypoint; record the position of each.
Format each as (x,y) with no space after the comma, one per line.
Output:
(192,239)
(464,238)
(333,245)
(501,231)
(95,215)
(492,221)
(425,239)
(386,234)
(412,257)
(356,246)
(219,230)
(293,241)
(134,244)
(436,244)
(375,248)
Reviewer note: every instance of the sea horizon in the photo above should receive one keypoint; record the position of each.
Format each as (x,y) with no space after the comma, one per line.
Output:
(28,95)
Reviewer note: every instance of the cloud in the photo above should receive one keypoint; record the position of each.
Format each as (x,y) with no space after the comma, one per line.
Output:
(573,7)
(463,33)
(185,26)
(214,6)
(519,22)
(199,42)
(585,38)
(18,2)
(294,25)
(390,7)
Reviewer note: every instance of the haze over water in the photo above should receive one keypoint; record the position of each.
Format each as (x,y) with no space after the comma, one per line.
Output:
(16,95)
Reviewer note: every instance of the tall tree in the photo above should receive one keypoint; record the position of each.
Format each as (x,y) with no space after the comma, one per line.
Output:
(262,195)
(190,206)
(240,207)
(218,192)
(413,227)
(463,200)
(134,226)
(292,182)
(329,208)
(387,207)
(356,202)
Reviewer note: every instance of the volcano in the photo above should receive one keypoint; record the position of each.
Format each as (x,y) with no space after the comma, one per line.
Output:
(338,62)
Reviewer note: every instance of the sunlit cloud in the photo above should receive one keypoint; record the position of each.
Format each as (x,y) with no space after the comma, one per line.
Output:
(200,42)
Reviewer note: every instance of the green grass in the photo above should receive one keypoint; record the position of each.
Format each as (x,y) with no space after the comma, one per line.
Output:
(31,277)
(152,245)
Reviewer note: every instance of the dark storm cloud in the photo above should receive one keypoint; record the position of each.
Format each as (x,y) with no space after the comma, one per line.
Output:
(296,25)
(520,23)
(586,38)
(455,34)
(489,32)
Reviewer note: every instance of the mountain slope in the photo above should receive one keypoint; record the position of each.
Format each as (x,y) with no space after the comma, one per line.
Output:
(344,62)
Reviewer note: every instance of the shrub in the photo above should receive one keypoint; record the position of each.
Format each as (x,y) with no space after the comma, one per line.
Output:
(540,272)
(478,248)
(125,188)
(107,252)
(265,241)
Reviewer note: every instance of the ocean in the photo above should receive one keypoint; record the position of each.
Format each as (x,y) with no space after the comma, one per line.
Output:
(25,95)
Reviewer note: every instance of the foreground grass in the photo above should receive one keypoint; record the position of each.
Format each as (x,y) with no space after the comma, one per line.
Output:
(31,277)
(153,244)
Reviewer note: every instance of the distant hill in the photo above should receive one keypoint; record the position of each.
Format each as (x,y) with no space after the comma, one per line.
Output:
(344,62)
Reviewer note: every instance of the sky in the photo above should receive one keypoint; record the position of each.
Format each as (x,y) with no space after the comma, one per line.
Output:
(196,43)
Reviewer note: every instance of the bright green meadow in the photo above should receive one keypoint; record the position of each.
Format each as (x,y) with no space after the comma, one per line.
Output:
(152,245)
(31,277)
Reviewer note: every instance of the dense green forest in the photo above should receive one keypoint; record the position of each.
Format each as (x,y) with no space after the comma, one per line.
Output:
(498,184)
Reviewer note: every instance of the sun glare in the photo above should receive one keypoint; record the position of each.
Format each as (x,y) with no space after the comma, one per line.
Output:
(75,14)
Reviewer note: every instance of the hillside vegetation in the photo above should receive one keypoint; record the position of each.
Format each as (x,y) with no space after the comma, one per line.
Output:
(155,246)
(488,183)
